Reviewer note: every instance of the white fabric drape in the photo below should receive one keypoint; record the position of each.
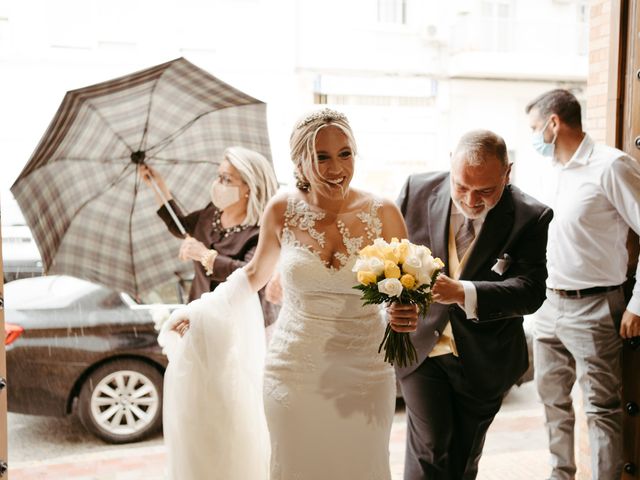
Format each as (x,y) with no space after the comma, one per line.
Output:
(213,414)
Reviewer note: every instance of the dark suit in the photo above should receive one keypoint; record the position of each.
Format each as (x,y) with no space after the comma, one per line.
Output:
(451,401)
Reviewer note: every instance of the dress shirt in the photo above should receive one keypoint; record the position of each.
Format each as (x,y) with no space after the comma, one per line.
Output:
(595,202)
(470,295)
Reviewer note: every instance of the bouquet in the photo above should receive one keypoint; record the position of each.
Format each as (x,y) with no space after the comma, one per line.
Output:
(397,272)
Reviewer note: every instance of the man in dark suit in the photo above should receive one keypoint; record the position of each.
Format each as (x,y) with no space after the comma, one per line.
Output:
(471,346)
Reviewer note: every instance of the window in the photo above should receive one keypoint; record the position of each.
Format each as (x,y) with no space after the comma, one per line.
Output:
(583,27)
(498,18)
(372,100)
(392,11)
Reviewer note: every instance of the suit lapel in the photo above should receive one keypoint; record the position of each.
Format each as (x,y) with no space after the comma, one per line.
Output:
(496,228)
(438,213)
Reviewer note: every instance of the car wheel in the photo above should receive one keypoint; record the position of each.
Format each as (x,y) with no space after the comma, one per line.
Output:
(121,401)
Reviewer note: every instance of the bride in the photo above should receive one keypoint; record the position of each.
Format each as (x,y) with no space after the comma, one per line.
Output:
(328,395)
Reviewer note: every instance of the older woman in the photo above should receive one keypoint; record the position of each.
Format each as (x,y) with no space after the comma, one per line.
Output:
(222,236)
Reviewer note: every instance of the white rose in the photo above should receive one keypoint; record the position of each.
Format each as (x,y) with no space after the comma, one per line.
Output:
(371,264)
(380,243)
(412,264)
(390,286)
(361,265)
(429,266)
(376,265)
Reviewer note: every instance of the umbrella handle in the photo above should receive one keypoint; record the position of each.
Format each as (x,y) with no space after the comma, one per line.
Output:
(167,206)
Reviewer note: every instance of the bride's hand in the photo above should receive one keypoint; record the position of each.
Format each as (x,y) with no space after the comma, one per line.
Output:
(403,318)
(181,327)
(179,321)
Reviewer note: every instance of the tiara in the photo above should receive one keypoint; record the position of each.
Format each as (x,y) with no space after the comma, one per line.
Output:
(324,115)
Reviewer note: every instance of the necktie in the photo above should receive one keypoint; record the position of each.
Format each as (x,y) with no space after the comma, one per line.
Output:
(464,237)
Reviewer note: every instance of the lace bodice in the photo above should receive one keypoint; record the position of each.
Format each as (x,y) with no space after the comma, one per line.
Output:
(300,231)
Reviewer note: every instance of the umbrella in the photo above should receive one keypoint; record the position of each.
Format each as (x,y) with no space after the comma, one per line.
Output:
(81,194)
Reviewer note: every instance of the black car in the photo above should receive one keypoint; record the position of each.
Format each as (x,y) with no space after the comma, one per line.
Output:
(76,347)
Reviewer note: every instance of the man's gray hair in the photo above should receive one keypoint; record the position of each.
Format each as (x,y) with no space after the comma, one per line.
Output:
(478,146)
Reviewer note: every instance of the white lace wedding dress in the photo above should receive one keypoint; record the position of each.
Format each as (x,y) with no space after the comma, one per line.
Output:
(329,397)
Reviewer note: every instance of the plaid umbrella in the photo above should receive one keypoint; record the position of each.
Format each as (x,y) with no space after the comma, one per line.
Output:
(81,193)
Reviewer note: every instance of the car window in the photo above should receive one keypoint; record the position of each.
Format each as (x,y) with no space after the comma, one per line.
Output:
(112,300)
(173,292)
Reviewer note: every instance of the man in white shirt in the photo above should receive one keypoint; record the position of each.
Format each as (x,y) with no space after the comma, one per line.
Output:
(579,327)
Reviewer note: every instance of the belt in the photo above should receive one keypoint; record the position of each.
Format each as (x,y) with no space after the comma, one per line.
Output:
(585,292)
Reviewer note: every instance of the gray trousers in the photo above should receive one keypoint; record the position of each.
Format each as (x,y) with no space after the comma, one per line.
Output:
(578,338)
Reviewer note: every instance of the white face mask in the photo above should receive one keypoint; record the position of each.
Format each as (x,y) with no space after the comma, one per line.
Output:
(224,195)
(540,146)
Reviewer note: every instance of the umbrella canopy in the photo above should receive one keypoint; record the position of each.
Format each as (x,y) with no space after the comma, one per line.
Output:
(81,194)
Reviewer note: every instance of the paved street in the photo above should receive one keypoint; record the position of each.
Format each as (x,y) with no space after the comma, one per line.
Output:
(44,448)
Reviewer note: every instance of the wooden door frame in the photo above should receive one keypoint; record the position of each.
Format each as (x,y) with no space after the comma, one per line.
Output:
(4,447)
(623,128)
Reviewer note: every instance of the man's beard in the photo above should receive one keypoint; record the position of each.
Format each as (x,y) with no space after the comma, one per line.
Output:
(474,214)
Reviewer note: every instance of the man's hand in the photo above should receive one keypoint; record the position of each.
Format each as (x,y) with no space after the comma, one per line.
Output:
(446,290)
(191,249)
(403,318)
(630,325)
(273,290)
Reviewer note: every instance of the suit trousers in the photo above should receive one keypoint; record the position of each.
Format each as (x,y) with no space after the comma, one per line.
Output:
(578,338)
(446,422)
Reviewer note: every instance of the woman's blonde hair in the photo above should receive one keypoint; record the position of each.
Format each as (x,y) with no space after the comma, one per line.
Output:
(258,174)
(303,144)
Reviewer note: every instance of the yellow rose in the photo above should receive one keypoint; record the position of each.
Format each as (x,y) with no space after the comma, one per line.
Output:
(394,240)
(439,262)
(391,270)
(371,251)
(402,251)
(391,256)
(367,278)
(407,281)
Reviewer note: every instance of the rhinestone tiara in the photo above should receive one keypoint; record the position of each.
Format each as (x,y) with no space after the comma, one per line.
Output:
(324,115)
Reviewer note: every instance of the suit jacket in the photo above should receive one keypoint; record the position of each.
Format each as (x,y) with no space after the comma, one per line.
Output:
(492,348)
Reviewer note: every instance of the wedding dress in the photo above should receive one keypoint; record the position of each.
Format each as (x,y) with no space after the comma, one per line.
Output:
(328,396)
(213,417)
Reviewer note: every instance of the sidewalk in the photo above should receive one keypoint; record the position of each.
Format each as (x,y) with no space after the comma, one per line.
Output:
(515,449)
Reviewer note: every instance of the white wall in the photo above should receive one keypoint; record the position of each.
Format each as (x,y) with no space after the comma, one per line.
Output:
(279,51)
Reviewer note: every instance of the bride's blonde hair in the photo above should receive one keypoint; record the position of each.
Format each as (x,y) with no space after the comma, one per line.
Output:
(303,144)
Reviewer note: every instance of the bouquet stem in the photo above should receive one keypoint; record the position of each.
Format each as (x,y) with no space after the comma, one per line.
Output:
(398,348)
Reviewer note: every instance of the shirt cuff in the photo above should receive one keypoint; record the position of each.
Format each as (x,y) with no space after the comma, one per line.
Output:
(634,304)
(470,299)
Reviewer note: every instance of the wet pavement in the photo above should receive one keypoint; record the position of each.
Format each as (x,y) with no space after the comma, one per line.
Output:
(515,449)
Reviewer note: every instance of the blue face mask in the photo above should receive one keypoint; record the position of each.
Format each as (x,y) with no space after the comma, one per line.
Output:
(539,145)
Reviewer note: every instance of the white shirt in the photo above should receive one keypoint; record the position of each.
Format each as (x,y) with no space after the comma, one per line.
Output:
(595,201)
(470,295)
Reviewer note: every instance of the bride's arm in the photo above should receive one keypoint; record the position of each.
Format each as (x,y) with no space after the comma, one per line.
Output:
(258,270)
(262,265)
(392,222)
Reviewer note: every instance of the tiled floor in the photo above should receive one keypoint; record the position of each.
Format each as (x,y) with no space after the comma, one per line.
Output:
(515,450)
